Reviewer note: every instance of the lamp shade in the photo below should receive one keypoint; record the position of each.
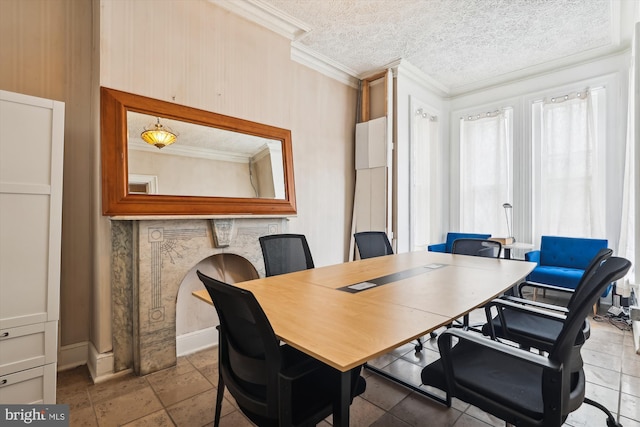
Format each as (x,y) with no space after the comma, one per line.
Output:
(158,135)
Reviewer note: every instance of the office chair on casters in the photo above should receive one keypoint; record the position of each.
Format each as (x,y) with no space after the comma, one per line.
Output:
(373,244)
(525,324)
(285,253)
(523,388)
(273,384)
(475,247)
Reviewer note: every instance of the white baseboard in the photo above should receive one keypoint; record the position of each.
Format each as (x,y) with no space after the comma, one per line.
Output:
(72,356)
(100,364)
(195,341)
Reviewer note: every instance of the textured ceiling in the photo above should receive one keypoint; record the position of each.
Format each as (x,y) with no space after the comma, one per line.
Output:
(454,42)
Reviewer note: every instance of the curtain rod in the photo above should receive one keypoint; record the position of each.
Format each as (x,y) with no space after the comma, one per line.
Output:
(420,112)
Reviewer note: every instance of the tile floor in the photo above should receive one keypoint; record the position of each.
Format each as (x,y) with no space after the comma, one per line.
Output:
(184,395)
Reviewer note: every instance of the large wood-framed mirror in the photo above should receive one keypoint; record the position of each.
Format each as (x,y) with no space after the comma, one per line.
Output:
(218,165)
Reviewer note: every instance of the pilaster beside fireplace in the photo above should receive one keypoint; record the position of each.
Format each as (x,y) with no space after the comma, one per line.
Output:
(150,259)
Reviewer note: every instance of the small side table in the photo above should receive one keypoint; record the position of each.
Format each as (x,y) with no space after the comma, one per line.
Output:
(517,245)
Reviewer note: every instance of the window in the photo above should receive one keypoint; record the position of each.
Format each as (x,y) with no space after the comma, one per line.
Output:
(424,165)
(568,165)
(486,144)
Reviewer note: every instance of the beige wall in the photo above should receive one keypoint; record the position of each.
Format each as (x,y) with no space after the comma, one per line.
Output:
(45,51)
(186,51)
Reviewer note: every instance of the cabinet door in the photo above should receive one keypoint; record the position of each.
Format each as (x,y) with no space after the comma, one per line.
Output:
(26,347)
(31,150)
(32,386)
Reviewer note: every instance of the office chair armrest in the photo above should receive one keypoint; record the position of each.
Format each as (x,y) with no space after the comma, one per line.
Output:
(536,304)
(543,286)
(445,346)
(501,304)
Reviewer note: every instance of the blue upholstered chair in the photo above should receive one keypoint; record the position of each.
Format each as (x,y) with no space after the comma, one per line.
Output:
(562,260)
(451,237)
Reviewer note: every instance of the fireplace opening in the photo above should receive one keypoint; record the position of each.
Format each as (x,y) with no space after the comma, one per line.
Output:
(196,320)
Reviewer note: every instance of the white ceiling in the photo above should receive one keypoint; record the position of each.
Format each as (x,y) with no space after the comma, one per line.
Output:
(457,45)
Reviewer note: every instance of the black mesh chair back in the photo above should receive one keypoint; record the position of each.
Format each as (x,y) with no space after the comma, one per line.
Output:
(256,368)
(372,244)
(285,253)
(595,262)
(516,385)
(477,247)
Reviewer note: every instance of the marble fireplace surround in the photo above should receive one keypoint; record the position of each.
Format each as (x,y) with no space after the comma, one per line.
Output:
(150,259)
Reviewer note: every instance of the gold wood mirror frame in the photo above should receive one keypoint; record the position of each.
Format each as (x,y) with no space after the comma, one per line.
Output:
(118,201)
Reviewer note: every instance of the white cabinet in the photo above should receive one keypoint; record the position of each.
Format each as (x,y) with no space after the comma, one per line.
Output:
(31,153)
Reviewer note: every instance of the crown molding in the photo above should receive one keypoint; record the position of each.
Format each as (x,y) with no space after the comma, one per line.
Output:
(324,65)
(407,69)
(264,14)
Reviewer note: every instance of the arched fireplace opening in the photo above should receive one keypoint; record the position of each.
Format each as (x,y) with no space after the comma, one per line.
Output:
(196,320)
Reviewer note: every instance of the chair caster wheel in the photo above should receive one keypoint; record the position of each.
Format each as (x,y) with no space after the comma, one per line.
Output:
(433,335)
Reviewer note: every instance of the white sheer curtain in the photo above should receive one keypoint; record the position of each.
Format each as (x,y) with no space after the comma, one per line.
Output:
(485,172)
(626,244)
(424,198)
(570,173)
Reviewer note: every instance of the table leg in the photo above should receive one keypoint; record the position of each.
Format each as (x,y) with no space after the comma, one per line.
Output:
(343,401)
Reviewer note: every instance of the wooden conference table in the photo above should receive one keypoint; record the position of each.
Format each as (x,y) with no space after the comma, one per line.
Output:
(318,311)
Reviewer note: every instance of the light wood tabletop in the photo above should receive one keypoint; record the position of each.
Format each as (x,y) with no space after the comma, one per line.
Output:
(409,295)
(309,310)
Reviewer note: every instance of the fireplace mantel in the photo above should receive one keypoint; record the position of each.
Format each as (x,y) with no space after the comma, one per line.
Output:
(150,259)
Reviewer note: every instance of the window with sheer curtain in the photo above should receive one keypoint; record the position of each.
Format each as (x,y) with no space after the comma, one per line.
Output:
(569,179)
(424,196)
(486,142)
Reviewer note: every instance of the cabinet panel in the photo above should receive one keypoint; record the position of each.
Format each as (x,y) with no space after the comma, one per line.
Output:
(33,386)
(26,347)
(31,155)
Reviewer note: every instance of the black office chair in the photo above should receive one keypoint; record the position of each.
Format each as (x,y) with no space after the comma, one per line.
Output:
(516,385)
(532,323)
(372,244)
(272,384)
(602,254)
(475,247)
(285,253)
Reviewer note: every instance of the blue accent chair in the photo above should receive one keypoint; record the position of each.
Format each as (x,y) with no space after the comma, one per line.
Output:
(562,260)
(448,245)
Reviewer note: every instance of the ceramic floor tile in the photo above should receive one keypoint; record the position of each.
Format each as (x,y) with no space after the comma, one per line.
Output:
(418,410)
(203,358)
(406,371)
(157,419)
(602,360)
(630,406)
(469,421)
(174,388)
(198,410)
(587,416)
(484,417)
(626,422)
(603,395)
(83,417)
(388,420)
(602,376)
(630,385)
(117,387)
(127,407)
(363,412)
(384,393)
(76,398)
(631,366)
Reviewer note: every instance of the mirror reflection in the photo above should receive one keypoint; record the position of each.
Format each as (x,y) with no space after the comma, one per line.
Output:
(203,161)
